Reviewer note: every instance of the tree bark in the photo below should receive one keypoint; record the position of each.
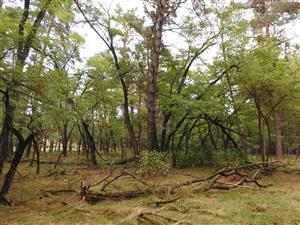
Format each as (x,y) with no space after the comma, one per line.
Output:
(70,146)
(37,152)
(279,150)
(28,149)
(156,42)
(51,146)
(15,162)
(65,139)
(5,132)
(45,144)
(90,142)
(166,117)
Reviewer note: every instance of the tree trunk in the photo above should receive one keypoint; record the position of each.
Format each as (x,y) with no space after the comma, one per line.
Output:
(128,123)
(45,145)
(14,164)
(51,146)
(11,145)
(70,146)
(5,132)
(65,139)
(122,149)
(90,142)
(37,152)
(262,139)
(279,150)
(28,149)
(152,85)
(58,143)
(78,146)
(163,146)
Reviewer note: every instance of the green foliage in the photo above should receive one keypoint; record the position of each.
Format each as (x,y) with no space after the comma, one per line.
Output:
(154,164)
(212,157)
(229,157)
(57,172)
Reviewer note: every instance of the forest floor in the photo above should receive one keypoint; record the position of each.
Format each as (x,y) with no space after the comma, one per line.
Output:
(32,204)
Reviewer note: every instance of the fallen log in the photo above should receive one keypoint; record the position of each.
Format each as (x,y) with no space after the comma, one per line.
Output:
(167,201)
(55,192)
(114,196)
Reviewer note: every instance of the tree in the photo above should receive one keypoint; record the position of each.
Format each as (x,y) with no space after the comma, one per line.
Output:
(24,44)
(108,36)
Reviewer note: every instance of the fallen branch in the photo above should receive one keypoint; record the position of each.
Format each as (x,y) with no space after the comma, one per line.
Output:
(243,172)
(163,202)
(115,196)
(54,192)
(241,175)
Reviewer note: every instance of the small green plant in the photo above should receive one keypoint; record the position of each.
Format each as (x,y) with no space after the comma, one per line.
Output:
(154,164)
(57,172)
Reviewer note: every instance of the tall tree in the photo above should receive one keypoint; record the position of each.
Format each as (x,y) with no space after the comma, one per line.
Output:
(25,38)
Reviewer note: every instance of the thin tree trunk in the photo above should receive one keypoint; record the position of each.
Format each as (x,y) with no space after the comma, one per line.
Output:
(11,145)
(78,146)
(261,138)
(45,144)
(166,117)
(37,152)
(90,142)
(65,139)
(122,148)
(51,146)
(70,146)
(279,150)
(28,149)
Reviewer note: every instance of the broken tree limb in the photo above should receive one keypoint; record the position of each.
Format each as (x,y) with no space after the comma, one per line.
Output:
(115,196)
(55,192)
(224,179)
(165,201)
(242,172)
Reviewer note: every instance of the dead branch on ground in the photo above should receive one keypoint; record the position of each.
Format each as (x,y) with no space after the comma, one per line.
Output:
(224,179)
